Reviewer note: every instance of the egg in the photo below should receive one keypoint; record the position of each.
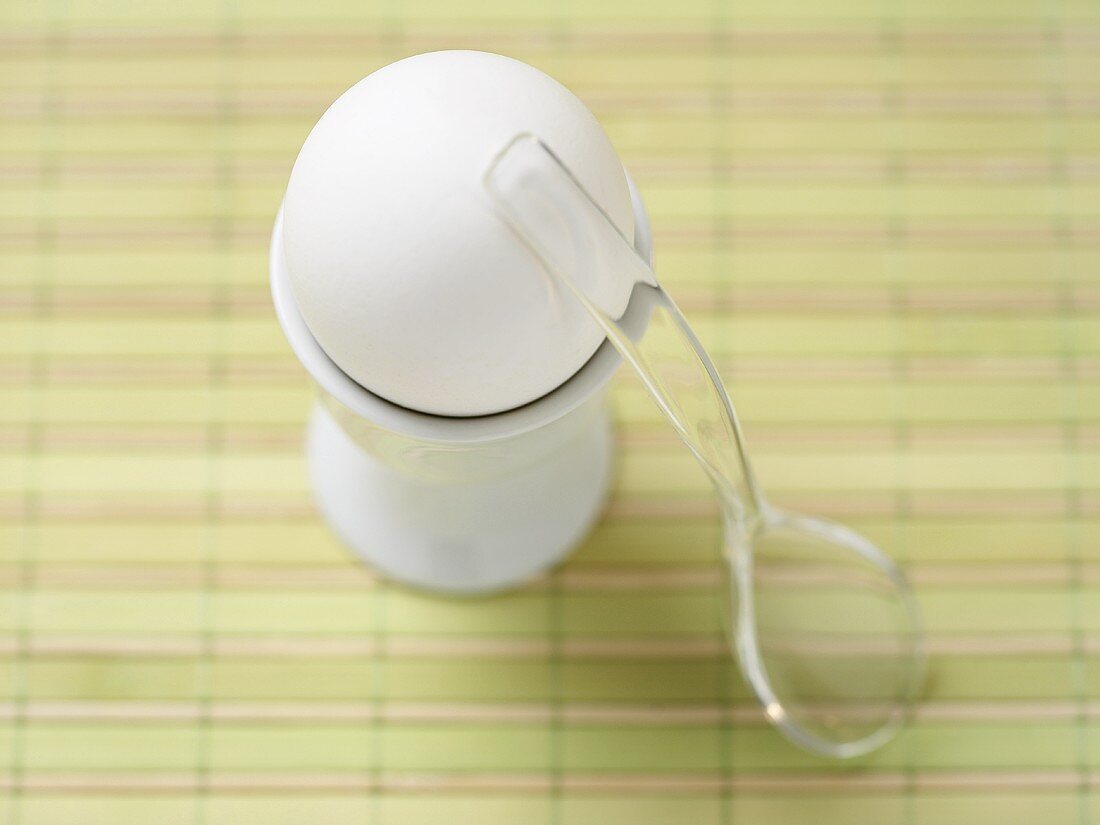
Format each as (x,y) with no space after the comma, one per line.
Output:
(401,268)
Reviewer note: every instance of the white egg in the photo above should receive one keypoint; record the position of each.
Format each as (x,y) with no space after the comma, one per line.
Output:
(406,277)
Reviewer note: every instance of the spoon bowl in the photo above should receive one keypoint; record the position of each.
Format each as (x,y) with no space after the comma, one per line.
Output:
(826,631)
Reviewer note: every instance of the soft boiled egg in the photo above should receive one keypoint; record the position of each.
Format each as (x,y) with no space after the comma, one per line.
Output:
(405,275)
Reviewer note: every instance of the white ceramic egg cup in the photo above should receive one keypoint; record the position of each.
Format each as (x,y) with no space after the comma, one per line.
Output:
(456,505)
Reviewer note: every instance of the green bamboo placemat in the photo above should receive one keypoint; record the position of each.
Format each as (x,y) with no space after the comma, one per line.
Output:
(884,217)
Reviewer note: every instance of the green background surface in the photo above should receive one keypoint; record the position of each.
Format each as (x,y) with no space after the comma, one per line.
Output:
(882,217)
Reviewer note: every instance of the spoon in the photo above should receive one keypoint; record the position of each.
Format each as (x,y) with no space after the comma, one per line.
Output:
(823,623)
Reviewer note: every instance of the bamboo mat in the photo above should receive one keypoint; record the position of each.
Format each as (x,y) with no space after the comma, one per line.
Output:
(882,216)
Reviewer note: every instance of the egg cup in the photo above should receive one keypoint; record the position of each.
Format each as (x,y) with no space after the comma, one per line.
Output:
(456,505)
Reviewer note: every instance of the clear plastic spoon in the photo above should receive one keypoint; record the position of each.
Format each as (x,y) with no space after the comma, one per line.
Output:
(823,623)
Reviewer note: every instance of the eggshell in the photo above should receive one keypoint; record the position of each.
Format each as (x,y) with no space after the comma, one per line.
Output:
(403,272)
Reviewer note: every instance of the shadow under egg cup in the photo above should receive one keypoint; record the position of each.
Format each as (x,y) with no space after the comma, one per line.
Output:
(456,505)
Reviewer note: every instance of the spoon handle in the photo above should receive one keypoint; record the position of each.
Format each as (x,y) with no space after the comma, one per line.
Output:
(580,247)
